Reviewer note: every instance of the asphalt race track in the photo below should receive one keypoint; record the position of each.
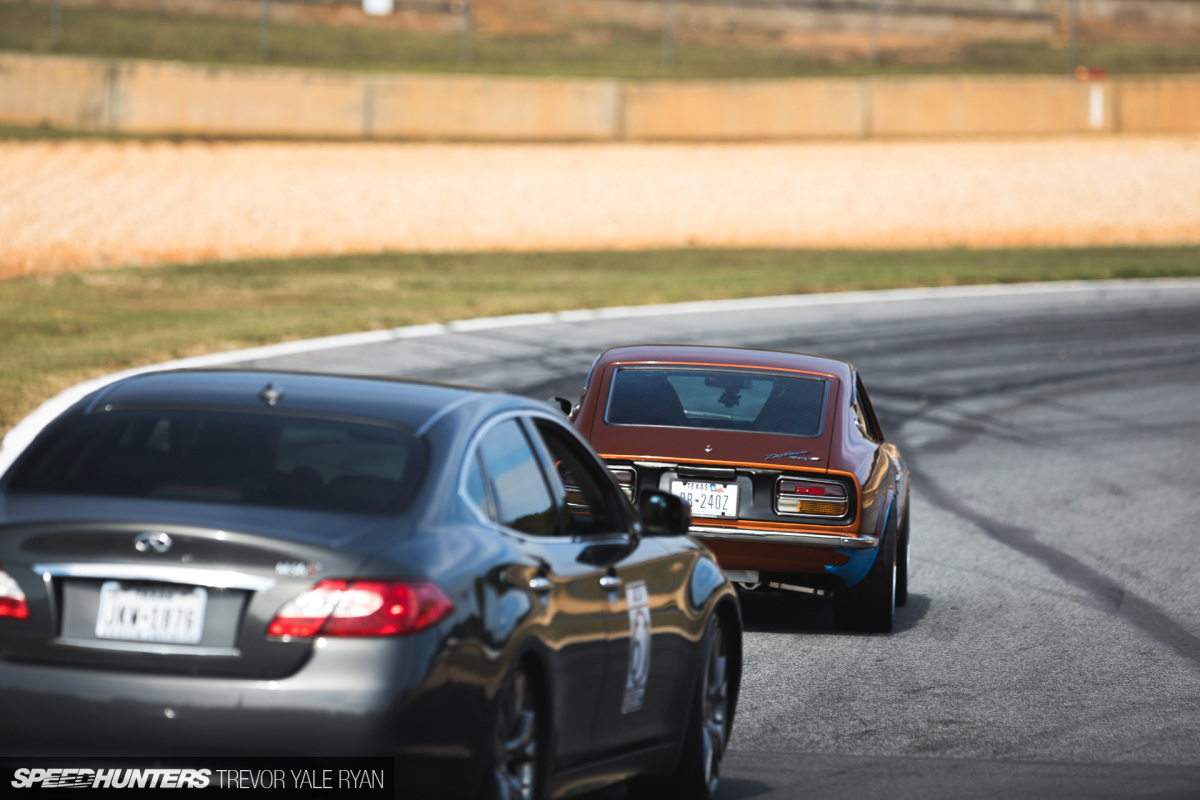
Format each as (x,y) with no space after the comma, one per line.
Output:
(1051,645)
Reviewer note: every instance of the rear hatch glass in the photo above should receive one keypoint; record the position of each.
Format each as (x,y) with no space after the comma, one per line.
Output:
(229,458)
(718,400)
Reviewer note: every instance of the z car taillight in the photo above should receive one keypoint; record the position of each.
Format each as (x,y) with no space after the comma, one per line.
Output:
(12,599)
(626,479)
(811,498)
(361,608)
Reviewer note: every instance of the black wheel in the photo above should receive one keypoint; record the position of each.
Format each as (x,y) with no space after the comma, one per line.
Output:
(516,774)
(902,561)
(699,768)
(870,605)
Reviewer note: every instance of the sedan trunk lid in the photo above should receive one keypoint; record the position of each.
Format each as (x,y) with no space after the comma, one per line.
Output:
(171,591)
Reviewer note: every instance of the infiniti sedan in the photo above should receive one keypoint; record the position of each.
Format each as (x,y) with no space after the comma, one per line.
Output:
(243,562)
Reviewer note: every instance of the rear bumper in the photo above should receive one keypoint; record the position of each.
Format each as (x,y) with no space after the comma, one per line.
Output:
(706,533)
(353,697)
(156,715)
(846,558)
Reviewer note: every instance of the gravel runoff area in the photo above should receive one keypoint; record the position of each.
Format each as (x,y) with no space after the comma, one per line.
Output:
(77,204)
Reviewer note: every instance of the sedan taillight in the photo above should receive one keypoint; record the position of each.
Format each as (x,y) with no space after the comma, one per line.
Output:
(361,608)
(811,498)
(12,599)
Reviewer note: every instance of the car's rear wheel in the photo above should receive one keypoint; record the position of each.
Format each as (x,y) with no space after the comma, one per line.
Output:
(870,604)
(516,773)
(699,768)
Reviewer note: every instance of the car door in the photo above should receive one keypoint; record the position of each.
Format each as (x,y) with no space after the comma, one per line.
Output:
(572,608)
(644,579)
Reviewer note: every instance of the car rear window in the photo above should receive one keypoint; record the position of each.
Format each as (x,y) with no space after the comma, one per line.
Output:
(720,399)
(261,459)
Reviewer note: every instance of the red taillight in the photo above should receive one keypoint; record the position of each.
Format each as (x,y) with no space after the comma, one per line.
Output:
(361,608)
(811,488)
(12,599)
(793,497)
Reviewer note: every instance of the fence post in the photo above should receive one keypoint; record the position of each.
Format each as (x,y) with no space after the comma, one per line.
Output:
(1073,33)
(668,45)
(55,23)
(466,49)
(873,42)
(264,30)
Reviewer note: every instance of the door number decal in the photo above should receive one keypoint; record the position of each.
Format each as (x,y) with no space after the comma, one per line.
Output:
(638,600)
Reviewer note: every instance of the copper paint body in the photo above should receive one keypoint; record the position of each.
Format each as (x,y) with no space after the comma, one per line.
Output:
(758,539)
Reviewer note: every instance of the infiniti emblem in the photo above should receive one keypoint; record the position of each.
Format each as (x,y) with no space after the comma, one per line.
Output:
(157,541)
(270,395)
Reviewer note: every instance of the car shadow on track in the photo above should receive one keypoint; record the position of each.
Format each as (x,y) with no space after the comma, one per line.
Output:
(728,789)
(787,612)
(740,789)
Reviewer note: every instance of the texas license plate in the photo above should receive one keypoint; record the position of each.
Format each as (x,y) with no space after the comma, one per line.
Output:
(151,614)
(708,499)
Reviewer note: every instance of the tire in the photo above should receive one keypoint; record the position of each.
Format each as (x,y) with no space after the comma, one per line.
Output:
(902,561)
(870,605)
(699,768)
(516,772)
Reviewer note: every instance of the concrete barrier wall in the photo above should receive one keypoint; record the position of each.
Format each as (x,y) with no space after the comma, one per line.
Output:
(1168,105)
(992,106)
(153,97)
(783,109)
(415,107)
(160,97)
(61,92)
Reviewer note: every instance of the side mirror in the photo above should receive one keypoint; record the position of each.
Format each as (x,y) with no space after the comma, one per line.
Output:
(663,514)
(562,404)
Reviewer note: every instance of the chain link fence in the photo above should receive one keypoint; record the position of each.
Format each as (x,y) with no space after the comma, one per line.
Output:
(868,29)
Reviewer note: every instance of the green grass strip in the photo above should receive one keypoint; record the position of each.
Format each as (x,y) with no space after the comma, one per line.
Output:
(61,329)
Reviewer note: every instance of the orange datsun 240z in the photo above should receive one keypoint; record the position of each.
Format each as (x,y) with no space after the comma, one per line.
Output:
(781,457)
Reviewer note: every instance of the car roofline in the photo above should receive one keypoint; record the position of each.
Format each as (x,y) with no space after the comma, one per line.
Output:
(309,374)
(468,394)
(603,358)
(732,348)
